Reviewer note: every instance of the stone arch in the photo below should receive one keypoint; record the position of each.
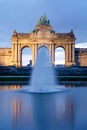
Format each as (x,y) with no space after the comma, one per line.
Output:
(17,48)
(43,34)
(42,46)
(69,52)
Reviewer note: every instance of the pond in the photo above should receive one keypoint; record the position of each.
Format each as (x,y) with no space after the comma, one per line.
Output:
(63,110)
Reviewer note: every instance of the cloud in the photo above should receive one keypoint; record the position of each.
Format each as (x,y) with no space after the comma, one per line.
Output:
(59,57)
(81,45)
(25,59)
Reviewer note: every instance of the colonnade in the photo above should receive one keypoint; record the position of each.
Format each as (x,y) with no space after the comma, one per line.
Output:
(70,55)
(17,53)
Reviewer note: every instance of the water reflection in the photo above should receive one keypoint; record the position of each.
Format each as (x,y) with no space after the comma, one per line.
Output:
(43,112)
(68,84)
(10,87)
(26,111)
(70,111)
(16,112)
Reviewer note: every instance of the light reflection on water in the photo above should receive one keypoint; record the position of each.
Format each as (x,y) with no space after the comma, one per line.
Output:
(10,87)
(26,111)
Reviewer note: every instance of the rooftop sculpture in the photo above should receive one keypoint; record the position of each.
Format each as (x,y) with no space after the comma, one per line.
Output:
(43,20)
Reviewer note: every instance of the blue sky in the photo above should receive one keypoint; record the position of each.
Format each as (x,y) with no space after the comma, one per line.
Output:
(22,16)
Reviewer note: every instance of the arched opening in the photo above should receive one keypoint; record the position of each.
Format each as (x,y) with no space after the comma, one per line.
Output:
(59,56)
(26,56)
(43,46)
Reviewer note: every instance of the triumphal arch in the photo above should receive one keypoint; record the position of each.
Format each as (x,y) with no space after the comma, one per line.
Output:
(43,34)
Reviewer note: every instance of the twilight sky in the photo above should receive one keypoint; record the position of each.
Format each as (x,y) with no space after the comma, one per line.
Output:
(22,16)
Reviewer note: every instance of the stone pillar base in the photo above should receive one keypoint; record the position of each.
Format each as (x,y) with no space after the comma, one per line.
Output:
(68,64)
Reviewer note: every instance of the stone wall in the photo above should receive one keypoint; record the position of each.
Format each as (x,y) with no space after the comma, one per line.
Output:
(5,56)
(81,56)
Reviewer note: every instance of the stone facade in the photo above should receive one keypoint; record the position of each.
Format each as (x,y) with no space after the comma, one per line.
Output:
(81,56)
(43,34)
(5,56)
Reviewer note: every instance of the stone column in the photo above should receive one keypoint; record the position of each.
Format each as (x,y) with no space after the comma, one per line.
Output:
(70,52)
(35,46)
(73,53)
(16,54)
(52,53)
(33,55)
(19,56)
(13,53)
(66,54)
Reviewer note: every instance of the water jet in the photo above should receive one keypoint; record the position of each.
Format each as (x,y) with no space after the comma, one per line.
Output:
(43,79)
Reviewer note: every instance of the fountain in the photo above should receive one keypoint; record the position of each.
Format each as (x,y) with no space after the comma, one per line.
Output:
(43,80)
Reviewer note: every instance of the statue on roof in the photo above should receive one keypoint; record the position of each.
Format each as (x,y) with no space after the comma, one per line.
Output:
(43,20)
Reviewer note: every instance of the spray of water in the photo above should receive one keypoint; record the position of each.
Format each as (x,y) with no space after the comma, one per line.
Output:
(43,75)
